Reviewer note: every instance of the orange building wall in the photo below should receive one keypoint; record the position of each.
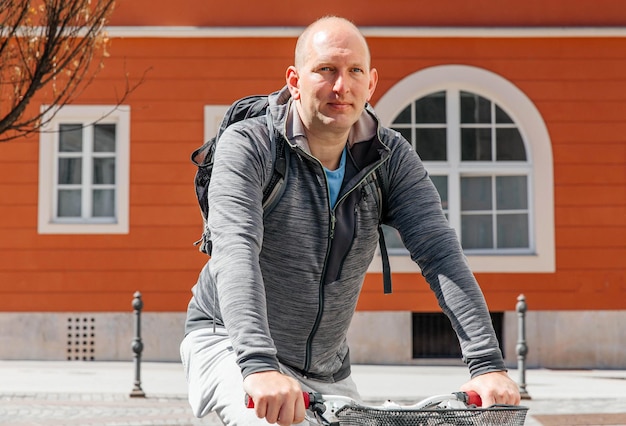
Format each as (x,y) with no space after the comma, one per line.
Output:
(578,86)
(579,89)
(373,13)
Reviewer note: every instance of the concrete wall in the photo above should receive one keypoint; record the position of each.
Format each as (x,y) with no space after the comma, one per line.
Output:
(556,339)
(570,339)
(103,336)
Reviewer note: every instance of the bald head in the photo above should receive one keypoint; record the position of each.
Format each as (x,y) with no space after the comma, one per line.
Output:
(321,28)
(331,82)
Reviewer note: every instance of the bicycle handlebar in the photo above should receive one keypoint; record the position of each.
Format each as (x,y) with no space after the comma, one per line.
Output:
(469,398)
(457,408)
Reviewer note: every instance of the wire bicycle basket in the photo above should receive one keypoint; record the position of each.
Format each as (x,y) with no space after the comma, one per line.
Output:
(497,415)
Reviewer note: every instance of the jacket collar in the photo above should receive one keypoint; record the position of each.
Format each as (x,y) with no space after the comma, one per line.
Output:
(286,118)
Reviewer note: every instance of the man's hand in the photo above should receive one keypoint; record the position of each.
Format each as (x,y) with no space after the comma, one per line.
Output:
(277,397)
(494,388)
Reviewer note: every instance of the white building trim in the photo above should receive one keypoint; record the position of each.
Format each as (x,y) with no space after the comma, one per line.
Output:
(384,32)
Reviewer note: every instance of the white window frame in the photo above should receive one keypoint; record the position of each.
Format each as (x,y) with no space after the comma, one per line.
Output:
(539,150)
(48,163)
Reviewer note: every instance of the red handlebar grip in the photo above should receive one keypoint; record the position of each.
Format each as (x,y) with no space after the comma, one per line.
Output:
(249,402)
(474,399)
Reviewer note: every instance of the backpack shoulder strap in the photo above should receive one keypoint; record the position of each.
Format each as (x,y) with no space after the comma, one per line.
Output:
(274,187)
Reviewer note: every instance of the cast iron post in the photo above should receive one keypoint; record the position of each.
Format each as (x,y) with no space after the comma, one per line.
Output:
(137,346)
(522,348)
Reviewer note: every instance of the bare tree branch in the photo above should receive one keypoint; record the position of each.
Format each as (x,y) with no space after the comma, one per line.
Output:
(55,47)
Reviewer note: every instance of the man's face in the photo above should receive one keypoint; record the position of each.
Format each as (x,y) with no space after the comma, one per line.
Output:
(334,80)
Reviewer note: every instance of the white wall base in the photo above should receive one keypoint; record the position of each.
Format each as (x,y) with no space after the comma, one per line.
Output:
(556,339)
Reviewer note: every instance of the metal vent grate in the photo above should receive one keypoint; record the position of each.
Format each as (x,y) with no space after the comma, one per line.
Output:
(81,339)
(434,337)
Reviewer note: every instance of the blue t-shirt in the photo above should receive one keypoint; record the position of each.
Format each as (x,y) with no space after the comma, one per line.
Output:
(335,178)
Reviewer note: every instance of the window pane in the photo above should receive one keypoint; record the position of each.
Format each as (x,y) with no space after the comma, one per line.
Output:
(69,203)
(404,117)
(476,144)
(104,170)
(104,138)
(476,231)
(512,230)
(475,109)
(509,145)
(441,183)
(431,144)
(476,193)
(501,116)
(511,192)
(70,138)
(70,171)
(431,109)
(103,203)
(406,133)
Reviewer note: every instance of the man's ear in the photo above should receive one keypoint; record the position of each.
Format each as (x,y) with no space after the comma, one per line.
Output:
(373,82)
(293,80)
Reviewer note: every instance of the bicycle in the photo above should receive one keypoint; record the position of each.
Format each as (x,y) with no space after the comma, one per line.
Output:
(455,409)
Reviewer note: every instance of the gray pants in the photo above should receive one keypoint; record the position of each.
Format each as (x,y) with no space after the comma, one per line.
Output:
(215,381)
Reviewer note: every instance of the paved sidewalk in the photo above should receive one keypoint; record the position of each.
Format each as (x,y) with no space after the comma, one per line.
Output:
(97,393)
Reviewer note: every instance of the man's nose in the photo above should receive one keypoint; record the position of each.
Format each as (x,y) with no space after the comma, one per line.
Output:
(340,84)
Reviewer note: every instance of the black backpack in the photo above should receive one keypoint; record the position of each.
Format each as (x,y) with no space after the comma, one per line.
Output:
(256,106)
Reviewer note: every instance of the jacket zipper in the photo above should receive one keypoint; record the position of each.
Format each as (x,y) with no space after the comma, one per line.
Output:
(331,236)
(320,298)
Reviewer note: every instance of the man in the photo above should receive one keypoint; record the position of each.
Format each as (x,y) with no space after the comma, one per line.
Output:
(271,308)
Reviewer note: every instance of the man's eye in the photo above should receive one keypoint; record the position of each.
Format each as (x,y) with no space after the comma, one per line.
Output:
(325,69)
(357,70)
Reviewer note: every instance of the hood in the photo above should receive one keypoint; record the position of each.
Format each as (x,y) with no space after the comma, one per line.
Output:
(279,107)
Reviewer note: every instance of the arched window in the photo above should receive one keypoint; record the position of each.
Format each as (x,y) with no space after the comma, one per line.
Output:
(488,153)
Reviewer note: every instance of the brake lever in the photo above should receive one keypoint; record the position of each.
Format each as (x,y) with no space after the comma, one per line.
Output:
(318,409)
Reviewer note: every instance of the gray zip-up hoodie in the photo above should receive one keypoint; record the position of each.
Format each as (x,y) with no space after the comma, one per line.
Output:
(286,285)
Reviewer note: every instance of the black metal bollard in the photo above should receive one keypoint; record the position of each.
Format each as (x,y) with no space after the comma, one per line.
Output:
(137,346)
(522,347)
